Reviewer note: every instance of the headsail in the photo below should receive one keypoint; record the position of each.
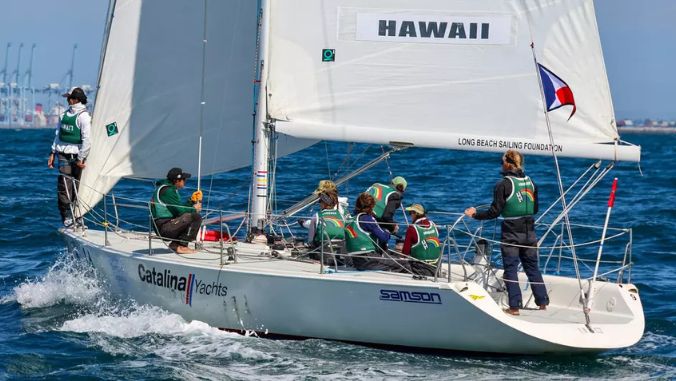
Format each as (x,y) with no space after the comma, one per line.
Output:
(438,73)
(150,88)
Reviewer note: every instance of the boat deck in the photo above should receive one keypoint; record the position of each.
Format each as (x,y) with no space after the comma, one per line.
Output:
(255,258)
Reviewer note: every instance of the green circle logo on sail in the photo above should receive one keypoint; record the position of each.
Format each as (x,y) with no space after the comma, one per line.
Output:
(328,55)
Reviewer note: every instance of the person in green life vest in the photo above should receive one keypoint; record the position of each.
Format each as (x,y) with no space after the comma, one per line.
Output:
(388,200)
(366,241)
(515,198)
(174,219)
(422,241)
(69,152)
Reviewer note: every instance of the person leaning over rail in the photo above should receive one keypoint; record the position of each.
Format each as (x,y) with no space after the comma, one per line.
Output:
(422,241)
(515,198)
(176,220)
(70,150)
(388,200)
(365,238)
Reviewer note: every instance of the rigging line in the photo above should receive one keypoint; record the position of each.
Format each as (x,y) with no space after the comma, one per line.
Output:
(569,231)
(595,165)
(202,98)
(559,181)
(309,200)
(328,163)
(401,205)
(583,192)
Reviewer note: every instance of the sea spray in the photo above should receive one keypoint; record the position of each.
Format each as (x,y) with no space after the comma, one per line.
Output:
(68,281)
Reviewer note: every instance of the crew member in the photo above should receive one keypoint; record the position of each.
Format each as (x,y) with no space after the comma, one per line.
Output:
(329,188)
(388,200)
(365,238)
(515,198)
(176,220)
(422,241)
(70,150)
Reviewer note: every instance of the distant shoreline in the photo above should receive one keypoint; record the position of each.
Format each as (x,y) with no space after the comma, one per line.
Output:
(647,130)
(12,127)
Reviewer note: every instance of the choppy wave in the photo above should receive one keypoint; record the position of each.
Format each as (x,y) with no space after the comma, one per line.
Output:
(59,322)
(67,281)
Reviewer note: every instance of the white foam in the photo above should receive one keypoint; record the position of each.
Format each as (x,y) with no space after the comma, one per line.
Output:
(65,282)
(137,322)
(179,339)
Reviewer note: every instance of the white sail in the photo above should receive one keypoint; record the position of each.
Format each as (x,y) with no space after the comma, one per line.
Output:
(441,73)
(151,84)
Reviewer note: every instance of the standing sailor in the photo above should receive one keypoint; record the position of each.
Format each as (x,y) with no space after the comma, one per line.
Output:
(71,147)
(515,197)
(388,200)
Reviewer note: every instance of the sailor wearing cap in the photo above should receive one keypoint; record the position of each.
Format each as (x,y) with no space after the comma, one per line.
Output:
(388,200)
(71,146)
(175,219)
(422,241)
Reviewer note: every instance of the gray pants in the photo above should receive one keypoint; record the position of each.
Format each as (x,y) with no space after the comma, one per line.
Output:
(181,230)
(69,178)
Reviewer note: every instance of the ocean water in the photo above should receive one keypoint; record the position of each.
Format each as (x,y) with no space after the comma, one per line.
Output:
(57,321)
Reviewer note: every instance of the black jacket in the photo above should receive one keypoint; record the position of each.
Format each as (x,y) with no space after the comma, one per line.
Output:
(503,189)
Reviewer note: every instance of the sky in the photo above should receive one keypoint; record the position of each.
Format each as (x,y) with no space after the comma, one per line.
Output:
(638,38)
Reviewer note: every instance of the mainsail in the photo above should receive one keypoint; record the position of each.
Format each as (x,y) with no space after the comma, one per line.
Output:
(150,88)
(454,74)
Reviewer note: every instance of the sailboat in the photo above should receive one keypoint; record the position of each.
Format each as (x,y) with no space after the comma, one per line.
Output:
(180,81)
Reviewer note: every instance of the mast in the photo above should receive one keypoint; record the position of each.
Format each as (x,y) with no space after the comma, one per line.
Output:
(261,141)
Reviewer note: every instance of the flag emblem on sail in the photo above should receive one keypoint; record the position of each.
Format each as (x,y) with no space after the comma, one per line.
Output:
(557,92)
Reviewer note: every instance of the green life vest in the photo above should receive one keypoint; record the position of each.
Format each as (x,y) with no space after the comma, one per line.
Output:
(521,202)
(428,247)
(69,131)
(357,239)
(158,208)
(330,225)
(381,193)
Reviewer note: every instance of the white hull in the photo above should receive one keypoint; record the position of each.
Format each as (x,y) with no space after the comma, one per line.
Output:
(292,298)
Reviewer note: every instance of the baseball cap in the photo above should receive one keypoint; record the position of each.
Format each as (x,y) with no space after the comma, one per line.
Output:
(76,93)
(177,174)
(400,181)
(418,208)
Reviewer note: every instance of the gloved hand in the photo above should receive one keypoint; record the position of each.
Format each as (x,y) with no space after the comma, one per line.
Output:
(196,196)
(301,222)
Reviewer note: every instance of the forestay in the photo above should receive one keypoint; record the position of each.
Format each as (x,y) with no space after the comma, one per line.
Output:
(441,73)
(150,87)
